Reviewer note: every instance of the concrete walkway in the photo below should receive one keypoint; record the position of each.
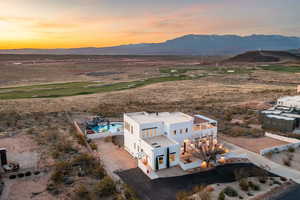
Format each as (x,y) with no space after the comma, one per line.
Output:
(269,165)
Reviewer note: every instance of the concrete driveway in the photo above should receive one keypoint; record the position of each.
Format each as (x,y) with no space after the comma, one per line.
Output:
(114,158)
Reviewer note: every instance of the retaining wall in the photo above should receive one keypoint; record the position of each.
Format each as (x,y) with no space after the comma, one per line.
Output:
(293,143)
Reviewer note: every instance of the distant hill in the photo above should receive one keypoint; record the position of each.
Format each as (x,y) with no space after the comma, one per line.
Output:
(185,45)
(264,56)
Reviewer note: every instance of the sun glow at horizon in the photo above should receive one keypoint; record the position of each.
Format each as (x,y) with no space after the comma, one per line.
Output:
(95,23)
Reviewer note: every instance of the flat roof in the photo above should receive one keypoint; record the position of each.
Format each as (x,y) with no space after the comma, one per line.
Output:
(290,98)
(167,117)
(280,117)
(159,141)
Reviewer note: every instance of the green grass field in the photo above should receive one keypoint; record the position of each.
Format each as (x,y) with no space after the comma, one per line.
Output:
(280,68)
(79,88)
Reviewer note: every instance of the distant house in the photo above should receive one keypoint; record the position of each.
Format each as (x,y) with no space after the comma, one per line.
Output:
(284,116)
(160,140)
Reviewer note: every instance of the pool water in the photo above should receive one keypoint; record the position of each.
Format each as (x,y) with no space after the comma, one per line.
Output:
(113,128)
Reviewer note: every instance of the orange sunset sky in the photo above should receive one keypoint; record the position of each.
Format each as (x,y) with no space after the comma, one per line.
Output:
(99,23)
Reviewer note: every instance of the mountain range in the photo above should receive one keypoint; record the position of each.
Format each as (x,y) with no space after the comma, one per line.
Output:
(186,45)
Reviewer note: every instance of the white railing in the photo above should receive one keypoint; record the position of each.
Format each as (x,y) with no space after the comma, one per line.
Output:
(282,138)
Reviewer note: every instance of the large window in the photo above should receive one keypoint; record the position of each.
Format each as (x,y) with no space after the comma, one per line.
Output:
(149,132)
(172,157)
(161,160)
(127,126)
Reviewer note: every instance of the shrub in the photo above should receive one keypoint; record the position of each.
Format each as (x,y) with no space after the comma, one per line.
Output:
(254,186)
(182,195)
(231,192)
(105,187)
(61,170)
(94,146)
(90,165)
(291,149)
(129,193)
(81,193)
(221,196)
(243,183)
(286,162)
(262,179)
(283,179)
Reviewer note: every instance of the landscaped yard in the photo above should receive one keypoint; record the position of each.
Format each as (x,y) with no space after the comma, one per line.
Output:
(289,158)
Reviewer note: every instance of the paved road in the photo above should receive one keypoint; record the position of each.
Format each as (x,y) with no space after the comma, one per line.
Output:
(166,188)
(273,167)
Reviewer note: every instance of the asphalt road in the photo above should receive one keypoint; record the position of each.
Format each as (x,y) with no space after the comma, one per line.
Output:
(167,188)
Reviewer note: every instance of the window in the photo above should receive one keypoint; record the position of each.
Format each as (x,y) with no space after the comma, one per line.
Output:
(149,132)
(161,160)
(134,145)
(174,132)
(186,130)
(131,129)
(172,157)
(127,126)
(180,131)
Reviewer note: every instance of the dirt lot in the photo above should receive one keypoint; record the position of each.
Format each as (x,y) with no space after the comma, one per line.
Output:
(252,144)
(113,157)
(21,149)
(27,188)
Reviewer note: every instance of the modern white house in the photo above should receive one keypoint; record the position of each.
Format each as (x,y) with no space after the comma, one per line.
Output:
(160,140)
(289,102)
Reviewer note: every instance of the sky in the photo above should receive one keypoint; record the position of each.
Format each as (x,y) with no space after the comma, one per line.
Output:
(101,23)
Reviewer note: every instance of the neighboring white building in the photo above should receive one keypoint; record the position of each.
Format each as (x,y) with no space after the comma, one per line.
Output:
(158,139)
(289,101)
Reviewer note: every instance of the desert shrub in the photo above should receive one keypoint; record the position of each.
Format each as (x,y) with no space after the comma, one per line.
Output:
(202,192)
(80,139)
(129,193)
(290,157)
(204,195)
(241,173)
(283,179)
(286,162)
(254,186)
(90,165)
(231,192)
(94,146)
(81,193)
(291,149)
(182,195)
(221,196)
(243,183)
(61,170)
(277,182)
(104,188)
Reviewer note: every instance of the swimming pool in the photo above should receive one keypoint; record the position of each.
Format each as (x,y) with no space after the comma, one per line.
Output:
(114,127)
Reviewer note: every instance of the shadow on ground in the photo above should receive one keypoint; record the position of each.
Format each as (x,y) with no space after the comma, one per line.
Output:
(167,188)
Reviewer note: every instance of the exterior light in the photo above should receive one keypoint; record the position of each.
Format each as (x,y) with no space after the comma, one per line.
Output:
(204,164)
